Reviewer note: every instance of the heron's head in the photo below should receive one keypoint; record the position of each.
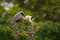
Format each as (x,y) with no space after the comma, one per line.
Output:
(22,14)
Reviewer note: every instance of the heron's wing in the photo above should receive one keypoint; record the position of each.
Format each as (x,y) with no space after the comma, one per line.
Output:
(17,17)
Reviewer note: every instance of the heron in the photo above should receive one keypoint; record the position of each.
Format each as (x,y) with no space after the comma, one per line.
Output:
(20,15)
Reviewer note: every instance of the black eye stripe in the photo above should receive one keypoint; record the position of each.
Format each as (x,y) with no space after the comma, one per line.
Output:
(22,14)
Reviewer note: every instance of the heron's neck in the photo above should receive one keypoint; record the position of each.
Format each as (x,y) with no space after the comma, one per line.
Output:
(24,18)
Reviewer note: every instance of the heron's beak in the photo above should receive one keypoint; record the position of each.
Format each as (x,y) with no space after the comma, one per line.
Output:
(31,22)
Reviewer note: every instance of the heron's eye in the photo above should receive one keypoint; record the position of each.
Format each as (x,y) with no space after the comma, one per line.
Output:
(22,14)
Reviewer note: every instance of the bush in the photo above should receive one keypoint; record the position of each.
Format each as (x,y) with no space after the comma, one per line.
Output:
(47,31)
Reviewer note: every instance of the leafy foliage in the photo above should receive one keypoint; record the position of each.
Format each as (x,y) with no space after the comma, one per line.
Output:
(46,15)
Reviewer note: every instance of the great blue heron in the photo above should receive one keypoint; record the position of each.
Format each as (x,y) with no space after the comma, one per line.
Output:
(20,15)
